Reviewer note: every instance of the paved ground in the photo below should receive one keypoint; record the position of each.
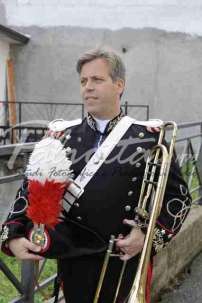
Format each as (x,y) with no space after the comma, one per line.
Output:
(189,289)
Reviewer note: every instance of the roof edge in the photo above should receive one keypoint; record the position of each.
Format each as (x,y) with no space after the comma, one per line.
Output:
(14,34)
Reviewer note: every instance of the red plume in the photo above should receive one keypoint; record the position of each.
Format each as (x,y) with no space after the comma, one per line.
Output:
(48,174)
(44,201)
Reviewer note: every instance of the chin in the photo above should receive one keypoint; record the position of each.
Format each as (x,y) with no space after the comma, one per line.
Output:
(92,111)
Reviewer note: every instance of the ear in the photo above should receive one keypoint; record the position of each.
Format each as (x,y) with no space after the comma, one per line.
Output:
(120,85)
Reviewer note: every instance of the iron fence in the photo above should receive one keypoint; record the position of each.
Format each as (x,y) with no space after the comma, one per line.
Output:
(32,118)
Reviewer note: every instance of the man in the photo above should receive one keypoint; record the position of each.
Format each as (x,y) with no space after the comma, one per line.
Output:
(107,204)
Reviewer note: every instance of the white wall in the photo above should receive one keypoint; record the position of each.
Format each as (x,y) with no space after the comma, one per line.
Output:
(164,69)
(4,55)
(171,15)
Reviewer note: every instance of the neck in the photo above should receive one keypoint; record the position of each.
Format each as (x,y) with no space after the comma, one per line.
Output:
(109,116)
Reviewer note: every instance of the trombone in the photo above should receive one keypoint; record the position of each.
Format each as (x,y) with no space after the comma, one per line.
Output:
(148,209)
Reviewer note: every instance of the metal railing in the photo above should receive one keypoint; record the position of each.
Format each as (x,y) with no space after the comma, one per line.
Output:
(32,118)
(190,159)
(27,286)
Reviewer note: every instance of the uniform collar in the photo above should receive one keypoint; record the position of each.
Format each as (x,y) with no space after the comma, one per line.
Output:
(110,125)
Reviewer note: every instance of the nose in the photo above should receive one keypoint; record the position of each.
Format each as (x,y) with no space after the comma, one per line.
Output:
(89,85)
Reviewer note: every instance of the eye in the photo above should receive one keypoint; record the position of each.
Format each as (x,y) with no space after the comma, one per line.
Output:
(98,80)
(83,82)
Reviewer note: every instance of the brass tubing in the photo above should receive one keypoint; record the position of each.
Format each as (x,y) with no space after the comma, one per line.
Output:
(104,268)
(120,280)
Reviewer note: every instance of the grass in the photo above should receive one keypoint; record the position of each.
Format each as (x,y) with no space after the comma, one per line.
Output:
(190,175)
(8,291)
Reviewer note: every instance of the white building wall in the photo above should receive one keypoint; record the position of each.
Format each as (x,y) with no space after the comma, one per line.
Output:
(164,68)
(170,15)
(4,55)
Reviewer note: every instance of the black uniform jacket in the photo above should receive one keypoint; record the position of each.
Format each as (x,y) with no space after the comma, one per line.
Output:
(109,198)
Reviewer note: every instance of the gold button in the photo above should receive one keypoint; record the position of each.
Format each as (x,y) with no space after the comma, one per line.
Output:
(127,208)
(139,149)
(141,135)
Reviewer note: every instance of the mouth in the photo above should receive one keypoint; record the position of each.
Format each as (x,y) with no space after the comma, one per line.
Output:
(88,98)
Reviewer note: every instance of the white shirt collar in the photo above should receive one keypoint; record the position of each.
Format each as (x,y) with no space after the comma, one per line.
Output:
(101,124)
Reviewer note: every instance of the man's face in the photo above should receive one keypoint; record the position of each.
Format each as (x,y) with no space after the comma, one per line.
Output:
(101,95)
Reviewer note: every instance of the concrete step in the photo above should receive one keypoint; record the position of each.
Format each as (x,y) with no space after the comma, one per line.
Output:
(188,290)
(179,253)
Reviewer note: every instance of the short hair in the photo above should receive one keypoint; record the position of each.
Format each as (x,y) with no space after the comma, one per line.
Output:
(116,65)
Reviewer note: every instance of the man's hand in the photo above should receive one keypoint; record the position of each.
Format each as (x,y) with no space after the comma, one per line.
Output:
(132,244)
(153,129)
(21,248)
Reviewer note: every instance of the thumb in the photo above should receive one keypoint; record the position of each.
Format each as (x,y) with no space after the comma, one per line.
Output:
(33,247)
(129,222)
(121,242)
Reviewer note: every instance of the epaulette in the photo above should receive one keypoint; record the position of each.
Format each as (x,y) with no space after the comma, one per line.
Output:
(150,123)
(59,125)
